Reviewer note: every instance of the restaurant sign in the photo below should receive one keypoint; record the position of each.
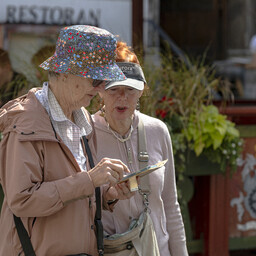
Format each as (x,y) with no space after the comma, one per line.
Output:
(113,15)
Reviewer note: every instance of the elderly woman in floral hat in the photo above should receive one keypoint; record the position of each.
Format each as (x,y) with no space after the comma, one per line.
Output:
(44,170)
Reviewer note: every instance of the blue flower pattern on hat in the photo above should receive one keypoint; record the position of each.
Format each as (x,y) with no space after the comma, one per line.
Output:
(85,51)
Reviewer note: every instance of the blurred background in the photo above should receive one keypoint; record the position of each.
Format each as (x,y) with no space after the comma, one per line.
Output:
(199,58)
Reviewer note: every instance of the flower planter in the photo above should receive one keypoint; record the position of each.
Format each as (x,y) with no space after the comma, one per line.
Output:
(200,165)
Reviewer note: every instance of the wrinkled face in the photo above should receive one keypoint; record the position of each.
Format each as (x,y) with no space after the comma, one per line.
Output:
(120,101)
(75,91)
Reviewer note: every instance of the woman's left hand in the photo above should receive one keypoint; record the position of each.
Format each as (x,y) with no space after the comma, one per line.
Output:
(120,191)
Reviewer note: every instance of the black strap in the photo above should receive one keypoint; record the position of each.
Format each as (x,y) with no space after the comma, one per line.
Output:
(24,238)
(97,219)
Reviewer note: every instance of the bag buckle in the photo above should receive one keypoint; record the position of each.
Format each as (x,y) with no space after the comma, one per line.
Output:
(143,156)
(146,202)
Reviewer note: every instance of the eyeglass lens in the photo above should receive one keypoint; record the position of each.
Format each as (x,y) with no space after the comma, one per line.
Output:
(96,82)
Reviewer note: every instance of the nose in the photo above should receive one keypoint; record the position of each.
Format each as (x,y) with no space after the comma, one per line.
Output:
(122,93)
(100,88)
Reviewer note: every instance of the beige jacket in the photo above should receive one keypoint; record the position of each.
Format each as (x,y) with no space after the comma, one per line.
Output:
(43,185)
(165,210)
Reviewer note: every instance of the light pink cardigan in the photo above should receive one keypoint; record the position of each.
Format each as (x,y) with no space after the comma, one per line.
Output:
(165,210)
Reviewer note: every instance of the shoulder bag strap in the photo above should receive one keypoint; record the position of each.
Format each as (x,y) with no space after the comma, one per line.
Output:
(143,158)
(24,238)
(97,219)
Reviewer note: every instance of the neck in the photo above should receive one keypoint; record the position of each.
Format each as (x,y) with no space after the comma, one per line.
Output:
(66,108)
(67,112)
(119,126)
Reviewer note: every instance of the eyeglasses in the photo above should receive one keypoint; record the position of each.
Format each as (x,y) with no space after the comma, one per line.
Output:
(96,82)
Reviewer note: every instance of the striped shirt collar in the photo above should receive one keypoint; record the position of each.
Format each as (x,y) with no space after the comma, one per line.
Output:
(69,132)
(50,103)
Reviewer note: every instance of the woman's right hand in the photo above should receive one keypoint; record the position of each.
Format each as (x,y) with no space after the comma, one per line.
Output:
(108,171)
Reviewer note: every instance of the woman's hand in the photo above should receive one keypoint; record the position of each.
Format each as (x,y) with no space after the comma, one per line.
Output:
(119,191)
(108,171)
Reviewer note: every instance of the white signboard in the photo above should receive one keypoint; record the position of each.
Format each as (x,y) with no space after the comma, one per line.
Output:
(113,15)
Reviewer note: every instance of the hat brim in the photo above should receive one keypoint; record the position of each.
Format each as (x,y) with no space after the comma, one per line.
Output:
(129,82)
(110,72)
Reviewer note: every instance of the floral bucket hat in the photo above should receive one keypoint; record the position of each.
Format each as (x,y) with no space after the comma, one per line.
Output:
(85,51)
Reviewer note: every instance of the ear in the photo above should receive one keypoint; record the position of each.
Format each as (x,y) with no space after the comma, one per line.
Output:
(141,92)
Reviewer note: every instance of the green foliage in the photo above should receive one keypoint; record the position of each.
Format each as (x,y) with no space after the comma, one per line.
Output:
(208,129)
(14,88)
(210,132)
(182,96)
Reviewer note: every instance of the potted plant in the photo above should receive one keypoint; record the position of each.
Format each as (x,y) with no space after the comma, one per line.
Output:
(182,97)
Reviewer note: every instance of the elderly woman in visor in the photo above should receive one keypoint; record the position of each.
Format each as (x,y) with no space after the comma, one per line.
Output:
(44,171)
(116,124)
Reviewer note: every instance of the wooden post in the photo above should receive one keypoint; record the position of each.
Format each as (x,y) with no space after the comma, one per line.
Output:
(137,24)
(1,36)
(210,213)
(216,241)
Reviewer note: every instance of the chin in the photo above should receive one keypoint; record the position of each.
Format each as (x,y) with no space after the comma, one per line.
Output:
(85,103)
(122,116)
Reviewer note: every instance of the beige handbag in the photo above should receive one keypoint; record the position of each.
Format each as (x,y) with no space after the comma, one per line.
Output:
(140,238)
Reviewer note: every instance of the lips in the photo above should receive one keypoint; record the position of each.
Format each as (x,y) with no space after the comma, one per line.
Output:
(121,109)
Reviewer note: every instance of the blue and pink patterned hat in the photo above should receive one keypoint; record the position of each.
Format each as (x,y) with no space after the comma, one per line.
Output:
(85,51)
